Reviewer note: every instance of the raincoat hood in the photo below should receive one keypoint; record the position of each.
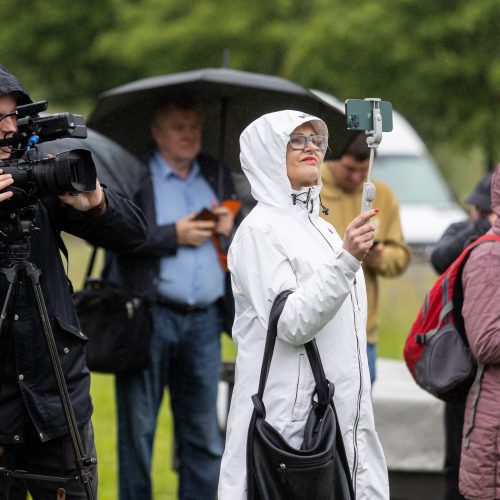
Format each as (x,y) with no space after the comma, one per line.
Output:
(495,198)
(263,157)
(9,84)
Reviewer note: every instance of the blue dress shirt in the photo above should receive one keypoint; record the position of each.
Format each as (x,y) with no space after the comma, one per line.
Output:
(193,275)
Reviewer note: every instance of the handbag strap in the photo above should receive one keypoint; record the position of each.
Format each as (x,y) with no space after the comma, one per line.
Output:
(324,388)
(324,391)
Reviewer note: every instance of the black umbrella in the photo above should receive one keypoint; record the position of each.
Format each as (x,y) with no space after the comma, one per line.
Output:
(231,100)
(116,167)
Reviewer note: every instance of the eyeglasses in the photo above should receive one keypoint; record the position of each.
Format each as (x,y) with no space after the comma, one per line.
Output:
(299,142)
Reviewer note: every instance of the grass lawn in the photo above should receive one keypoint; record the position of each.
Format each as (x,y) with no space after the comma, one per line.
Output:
(400,299)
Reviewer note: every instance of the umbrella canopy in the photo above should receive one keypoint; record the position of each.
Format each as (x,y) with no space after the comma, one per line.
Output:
(116,167)
(231,100)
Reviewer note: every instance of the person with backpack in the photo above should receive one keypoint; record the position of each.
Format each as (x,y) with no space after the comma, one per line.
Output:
(456,237)
(479,476)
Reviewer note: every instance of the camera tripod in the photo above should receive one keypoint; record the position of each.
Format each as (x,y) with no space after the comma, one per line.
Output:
(16,268)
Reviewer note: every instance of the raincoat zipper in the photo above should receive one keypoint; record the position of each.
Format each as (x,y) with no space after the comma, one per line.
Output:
(358,406)
(356,293)
(297,388)
(360,371)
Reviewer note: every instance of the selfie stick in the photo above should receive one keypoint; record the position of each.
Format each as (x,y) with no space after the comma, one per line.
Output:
(373,140)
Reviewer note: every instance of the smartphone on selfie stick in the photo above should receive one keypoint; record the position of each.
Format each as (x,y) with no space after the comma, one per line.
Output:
(374,117)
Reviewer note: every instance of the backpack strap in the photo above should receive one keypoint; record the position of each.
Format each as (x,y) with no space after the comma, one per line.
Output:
(455,303)
(457,294)
(443,315)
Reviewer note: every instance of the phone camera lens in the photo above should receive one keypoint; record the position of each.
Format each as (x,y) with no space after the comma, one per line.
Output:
(353,121)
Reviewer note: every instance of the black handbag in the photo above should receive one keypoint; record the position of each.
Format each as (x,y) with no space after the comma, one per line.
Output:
(319,469)
(118,325)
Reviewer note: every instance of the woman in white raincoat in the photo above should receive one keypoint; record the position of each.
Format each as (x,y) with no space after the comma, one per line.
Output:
(284,245)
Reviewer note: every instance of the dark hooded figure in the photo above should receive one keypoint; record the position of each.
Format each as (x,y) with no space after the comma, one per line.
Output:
(33,429)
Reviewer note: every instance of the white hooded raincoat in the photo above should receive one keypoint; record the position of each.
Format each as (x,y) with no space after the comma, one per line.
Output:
(283,244)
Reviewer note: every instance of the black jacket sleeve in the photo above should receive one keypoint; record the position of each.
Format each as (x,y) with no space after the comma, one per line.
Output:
(120,229)
(161,240)
(456,237)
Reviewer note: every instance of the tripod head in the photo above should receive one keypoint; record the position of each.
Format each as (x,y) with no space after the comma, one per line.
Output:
(17,228)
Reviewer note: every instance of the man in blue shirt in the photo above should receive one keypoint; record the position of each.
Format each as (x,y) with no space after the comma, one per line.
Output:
(179,267)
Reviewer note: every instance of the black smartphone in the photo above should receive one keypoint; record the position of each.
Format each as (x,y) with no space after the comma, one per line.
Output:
(206,214)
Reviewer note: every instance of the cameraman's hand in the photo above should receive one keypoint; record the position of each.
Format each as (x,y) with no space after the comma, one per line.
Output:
(87,201)
(5,181)
(359,234)
(192,232)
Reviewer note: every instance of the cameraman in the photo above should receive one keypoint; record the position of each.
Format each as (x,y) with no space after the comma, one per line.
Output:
(34,435)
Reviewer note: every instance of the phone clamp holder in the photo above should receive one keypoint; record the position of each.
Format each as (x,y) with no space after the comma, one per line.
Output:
(373,139)
(375,135)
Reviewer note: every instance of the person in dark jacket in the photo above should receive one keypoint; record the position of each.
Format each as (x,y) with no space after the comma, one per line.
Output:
(456,237)
(179,268)
(34,435)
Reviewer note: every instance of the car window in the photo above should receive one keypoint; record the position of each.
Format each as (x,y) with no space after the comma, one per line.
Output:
(413,179)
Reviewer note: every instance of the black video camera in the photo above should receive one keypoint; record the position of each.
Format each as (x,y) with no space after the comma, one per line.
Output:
(71,171)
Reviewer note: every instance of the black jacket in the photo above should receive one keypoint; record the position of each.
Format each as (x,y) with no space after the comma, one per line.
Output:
(456,237)
(29,398)
(139,270)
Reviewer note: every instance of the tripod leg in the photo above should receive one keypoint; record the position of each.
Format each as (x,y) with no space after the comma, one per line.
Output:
(83,462)
(5,338)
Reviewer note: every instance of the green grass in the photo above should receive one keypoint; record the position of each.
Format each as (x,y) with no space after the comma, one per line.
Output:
(400,299)
(104,419)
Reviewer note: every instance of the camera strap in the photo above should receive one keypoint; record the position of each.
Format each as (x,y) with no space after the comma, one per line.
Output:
(90,265)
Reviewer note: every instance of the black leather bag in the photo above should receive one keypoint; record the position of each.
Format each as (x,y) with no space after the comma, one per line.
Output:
(118,325)
(319,469)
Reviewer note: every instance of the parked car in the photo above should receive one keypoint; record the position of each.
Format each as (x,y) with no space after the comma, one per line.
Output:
(427,204)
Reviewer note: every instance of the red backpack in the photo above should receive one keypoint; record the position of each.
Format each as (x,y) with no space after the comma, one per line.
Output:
(436,350)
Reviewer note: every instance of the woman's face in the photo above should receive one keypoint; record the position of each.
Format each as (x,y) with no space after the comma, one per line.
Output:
(303,165)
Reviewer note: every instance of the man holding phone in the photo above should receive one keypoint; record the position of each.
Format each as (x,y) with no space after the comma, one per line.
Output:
(389,256)
(180,267)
